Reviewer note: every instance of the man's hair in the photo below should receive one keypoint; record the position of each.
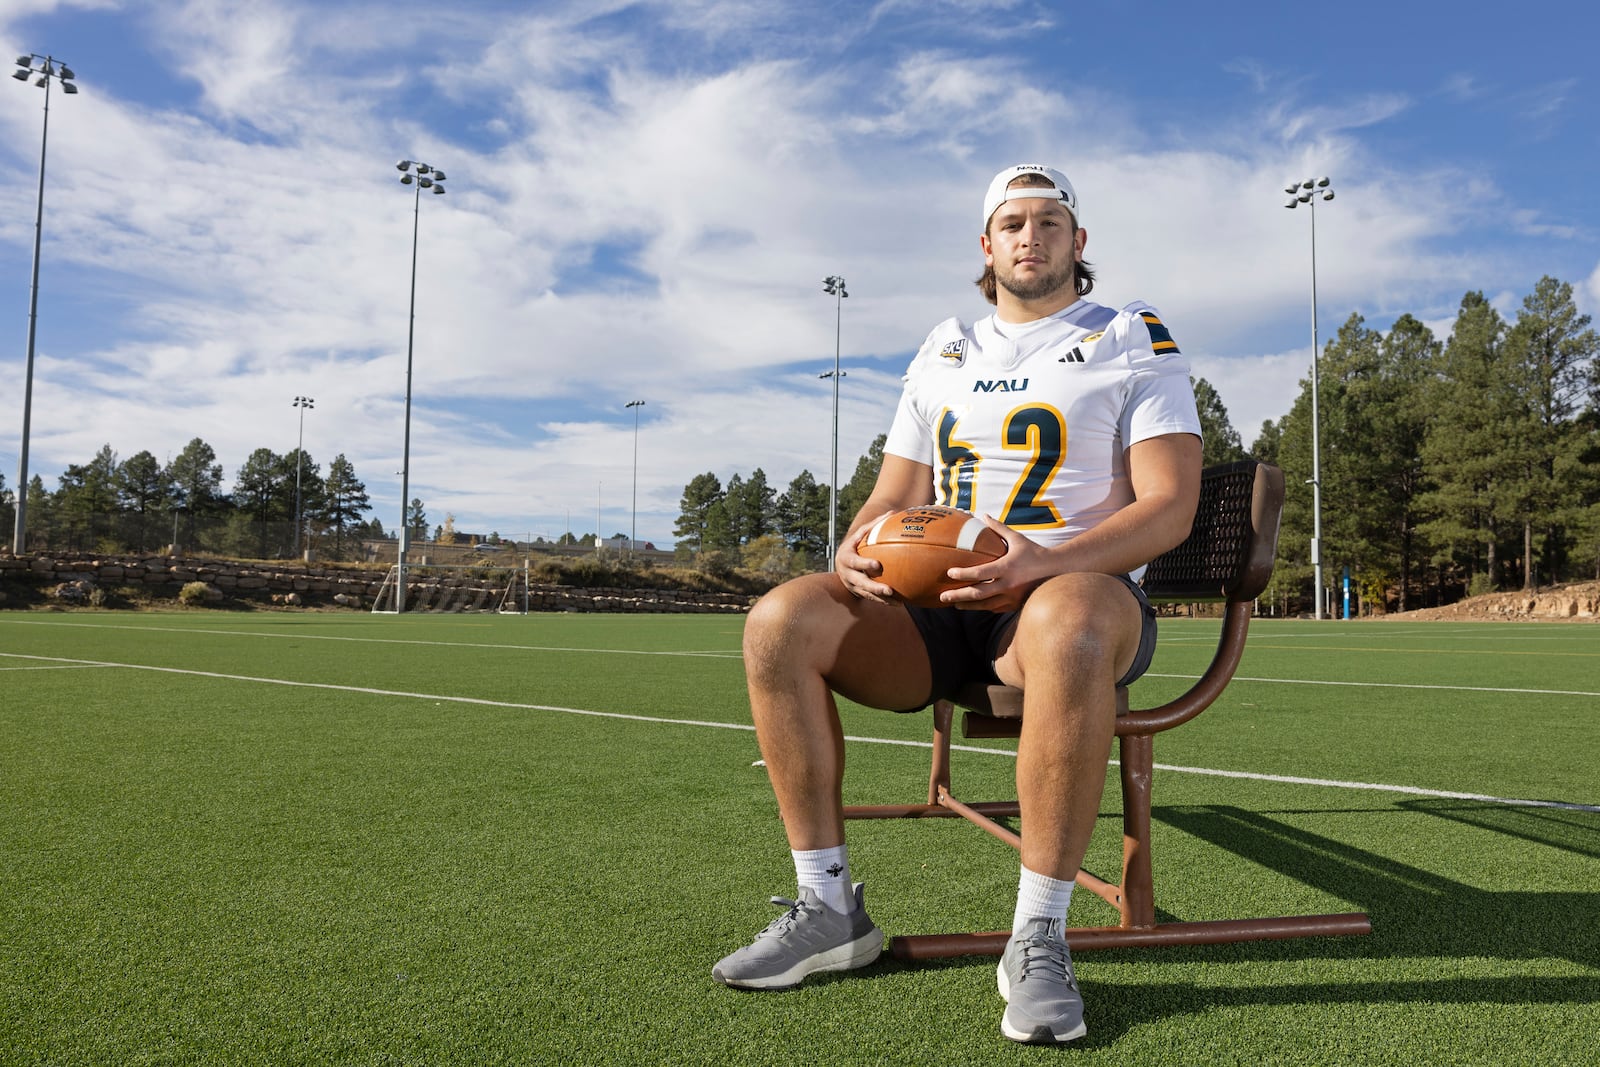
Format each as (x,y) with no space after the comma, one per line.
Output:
(1082,272)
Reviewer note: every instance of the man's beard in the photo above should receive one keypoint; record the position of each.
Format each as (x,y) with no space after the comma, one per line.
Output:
(1042,285)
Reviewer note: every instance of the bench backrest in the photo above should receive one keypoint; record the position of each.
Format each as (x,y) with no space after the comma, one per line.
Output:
(1228,554)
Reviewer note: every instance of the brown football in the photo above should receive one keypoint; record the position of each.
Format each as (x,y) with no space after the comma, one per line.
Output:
(919,545)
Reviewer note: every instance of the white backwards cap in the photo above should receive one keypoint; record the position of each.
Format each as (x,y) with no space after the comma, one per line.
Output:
(999,192)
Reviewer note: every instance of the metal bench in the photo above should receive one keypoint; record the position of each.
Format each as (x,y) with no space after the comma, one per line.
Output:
(1226,558)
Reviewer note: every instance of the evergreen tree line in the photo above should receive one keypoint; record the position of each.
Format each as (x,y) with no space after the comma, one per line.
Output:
(748,523)
(140,505)
(1447,468)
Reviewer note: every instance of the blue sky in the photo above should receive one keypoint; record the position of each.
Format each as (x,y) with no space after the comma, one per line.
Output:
(644,198)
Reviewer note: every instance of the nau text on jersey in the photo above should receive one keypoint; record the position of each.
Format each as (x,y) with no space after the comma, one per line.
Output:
(1000,385)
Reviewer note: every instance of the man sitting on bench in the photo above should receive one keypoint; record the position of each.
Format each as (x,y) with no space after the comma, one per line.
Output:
(1074,425)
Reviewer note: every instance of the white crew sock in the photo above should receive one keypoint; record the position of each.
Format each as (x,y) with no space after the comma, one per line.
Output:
(1040,897)
(827,872)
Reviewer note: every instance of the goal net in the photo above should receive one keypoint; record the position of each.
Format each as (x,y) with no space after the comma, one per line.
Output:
(441,588)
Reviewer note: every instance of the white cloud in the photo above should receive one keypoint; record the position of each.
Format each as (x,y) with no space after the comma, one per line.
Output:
(1587,295)
(259,246)
(1321,120)
(1255,388)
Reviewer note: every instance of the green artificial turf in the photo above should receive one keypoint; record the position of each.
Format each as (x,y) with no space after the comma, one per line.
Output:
(340,838)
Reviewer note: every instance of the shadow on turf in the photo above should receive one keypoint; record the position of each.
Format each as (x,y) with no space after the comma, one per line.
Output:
(1114,1010)
(1572,831)
(1567,828)
(1414,911)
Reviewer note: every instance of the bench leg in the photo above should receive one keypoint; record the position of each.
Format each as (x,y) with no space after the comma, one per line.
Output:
(939,776)
(1138,903)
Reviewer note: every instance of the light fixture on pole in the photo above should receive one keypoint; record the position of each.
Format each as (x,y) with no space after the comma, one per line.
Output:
(431,178)
(833,285)
(304,403)
(1308,192)
(48,69)
(633,540)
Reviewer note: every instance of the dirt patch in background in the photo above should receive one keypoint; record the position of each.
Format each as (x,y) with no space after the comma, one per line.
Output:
(1577,602)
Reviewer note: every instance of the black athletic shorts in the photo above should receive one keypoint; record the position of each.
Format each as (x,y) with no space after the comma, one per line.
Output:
(962,644)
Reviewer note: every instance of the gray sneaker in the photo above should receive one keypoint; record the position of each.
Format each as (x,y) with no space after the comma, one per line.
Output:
(808,937)
(1043,1006)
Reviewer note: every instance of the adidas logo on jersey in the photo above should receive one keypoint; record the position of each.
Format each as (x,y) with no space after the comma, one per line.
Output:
(1075,356)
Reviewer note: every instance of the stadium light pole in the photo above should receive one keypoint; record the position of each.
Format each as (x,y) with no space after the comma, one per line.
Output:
(633,540)
(48,69)
(833,500)
(1308,192)
(304,403)
(833,285)
(422,176)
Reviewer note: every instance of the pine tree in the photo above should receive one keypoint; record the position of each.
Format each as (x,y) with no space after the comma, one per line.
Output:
(1579,471)
(416,520)
(344,500)
(1267,443)
(1372,429)
(1550,351)
(196,480)
(1295,571)
(143,489)
(855,492)
(1464,454)
(300,479)
(803,516)
(8,509)
(1219,440)
(1394,423)
(719,534)
(258,493)
(702,492)
(87,499)
(44,522)
(752,507)
(725,517)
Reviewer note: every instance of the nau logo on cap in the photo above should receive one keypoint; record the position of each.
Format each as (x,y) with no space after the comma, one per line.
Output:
(955,351)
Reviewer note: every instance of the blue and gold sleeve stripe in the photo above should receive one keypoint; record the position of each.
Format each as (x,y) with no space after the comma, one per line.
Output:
(1160,338)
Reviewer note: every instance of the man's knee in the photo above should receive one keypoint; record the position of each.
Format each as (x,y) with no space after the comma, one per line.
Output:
(775,629)
(1080,622)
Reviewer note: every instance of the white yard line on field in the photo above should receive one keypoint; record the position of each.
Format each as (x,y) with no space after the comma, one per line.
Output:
(482,702)
(1397,685)
(734,654)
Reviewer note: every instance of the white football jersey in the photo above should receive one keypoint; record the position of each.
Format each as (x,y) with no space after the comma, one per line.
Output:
(1029,422)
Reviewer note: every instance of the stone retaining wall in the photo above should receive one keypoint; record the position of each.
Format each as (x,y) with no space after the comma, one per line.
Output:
(73,579)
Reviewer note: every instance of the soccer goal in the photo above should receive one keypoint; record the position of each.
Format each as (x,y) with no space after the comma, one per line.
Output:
(441,588)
